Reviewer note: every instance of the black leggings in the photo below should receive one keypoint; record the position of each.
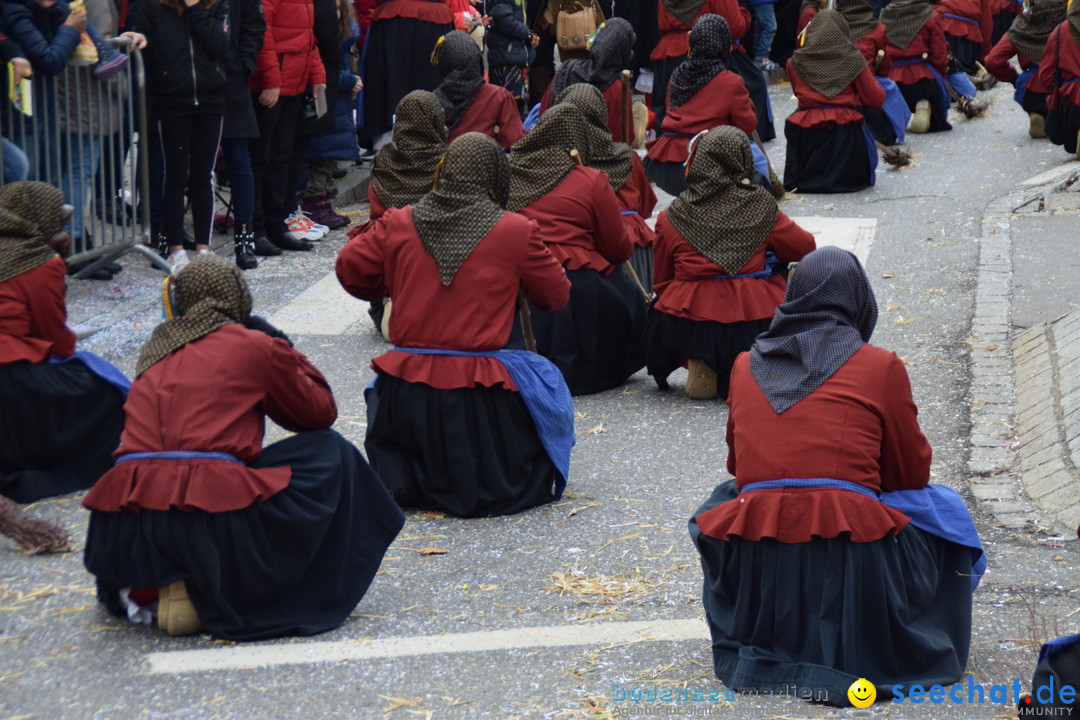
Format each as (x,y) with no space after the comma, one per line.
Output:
(189,144)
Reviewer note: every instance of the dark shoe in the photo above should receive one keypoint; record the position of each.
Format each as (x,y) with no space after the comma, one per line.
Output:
(339,173)
(318,208)
(244,244)
(102,273)
(285,242)
(262,245)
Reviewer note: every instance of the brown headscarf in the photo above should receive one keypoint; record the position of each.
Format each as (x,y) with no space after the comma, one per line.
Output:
(903,19)
(404,169)
(723,215)
(684,10)
(30,214)
(710,52)
(210,294)
(1030,30)
(828,61)
(615,159)
(468,200)
(859,15)
(541,160)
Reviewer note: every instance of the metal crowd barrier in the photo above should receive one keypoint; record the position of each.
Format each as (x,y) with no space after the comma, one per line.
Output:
(84,137)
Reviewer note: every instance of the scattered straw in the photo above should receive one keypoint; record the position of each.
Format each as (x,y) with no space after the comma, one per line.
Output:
(604,589)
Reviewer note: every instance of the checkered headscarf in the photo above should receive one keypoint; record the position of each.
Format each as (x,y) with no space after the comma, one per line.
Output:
(903,19)
(828,60)
(609,54)
(541,160)
(30,214)
(1030,30)
(462,68)
(860,17)
(829,312)
(404,169)
(469,198)
(210,293)
(710,50)
(723,215)
(614,159)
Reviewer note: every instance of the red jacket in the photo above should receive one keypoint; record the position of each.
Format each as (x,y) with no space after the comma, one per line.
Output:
(289,58)
(1060,67)
(213,395)
(930,40)
(675,37)
(723,101)
(580,222)
(861,426)
(492,107)
(686,286)
(636,201)
(33,316)
(816,110)
(474,312)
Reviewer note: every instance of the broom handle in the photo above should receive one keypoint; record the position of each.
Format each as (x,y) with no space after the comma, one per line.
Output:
(629,268)
(526,322)
(624,78)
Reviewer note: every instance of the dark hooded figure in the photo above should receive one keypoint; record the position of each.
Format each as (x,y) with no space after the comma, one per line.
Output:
(830,525)
(471,103)
(703,93)
(242,541)
(62,410)
(596,341)
(1059,72)
(714,257)
(611,51)
(829,147)
(456,423)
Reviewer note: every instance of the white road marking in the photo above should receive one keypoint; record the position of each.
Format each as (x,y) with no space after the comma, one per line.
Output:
(853,234)
(323,309)
(236,657)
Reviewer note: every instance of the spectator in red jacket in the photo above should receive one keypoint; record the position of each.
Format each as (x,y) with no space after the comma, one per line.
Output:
(288,66)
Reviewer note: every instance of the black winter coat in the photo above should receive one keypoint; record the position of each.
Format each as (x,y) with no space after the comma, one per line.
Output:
(186,56)
(330,51)
(246,31)
(508,38)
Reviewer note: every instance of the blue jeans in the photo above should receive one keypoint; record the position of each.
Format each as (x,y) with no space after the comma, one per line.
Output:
(84,152)
(16,164)
(766,19)
(237,152)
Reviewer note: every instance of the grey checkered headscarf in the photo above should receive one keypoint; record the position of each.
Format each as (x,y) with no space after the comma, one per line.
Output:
(829,312)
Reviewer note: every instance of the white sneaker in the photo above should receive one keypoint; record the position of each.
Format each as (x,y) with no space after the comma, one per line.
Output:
(299,229)
(324,229)
(178,260)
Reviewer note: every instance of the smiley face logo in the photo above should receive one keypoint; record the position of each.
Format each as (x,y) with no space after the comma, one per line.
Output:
(862,693)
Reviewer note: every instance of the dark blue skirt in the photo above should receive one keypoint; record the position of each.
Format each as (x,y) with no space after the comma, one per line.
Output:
(296,564)
(471,452)
(820,615)
(58,429)
(597,340)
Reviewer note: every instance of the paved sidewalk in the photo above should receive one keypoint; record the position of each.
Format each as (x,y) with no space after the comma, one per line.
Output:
(1025,341)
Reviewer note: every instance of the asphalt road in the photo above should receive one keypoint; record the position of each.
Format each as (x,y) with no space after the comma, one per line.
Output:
(644,461)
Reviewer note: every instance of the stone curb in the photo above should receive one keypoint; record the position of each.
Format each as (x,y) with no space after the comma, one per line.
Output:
(994,463)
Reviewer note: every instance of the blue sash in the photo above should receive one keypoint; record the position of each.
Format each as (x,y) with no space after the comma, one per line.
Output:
(178,455)
(98,366)
(895,108)
(628,212)
(961,17)
(770,269)
(934,509)
(545,394)
(962,84)
(1020,83)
